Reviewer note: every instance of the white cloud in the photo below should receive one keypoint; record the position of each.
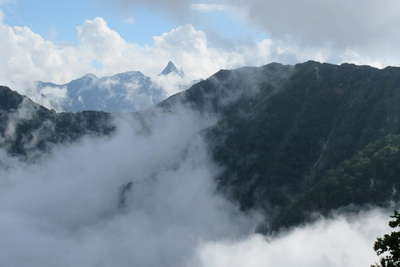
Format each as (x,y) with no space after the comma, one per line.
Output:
(206,7)
(367,29)
(66,210)
(3,2)
(130,20)
(27,56)
(342,23)
(341,242)
(49,97)
(363,32)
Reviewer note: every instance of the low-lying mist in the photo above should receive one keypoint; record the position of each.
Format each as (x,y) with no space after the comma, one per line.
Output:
(344,241)
(146,197)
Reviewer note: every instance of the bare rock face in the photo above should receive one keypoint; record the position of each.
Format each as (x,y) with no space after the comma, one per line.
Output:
(171,68)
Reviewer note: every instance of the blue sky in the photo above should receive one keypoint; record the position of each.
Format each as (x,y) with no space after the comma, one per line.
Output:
(57,21)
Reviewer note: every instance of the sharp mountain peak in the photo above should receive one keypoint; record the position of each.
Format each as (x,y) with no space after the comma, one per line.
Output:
(171,68)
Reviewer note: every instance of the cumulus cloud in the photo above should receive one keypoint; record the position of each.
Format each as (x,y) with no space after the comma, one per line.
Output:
(28,57)
(185,45)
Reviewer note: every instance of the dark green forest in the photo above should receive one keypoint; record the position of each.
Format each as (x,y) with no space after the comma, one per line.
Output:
(291,141)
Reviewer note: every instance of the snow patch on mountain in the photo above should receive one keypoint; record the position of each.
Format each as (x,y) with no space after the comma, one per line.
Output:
(124,92)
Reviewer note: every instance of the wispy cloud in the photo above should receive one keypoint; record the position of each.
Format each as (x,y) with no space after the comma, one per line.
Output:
(130,20)
(203,7)
(2,2)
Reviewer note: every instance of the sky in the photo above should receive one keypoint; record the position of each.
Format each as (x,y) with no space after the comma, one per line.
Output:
(137,24)
(59,41)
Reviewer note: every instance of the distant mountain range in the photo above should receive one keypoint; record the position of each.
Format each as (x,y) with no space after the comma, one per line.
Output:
(123,92)
(292,141)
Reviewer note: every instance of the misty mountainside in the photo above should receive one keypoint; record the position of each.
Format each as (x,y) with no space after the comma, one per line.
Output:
(299,141)
(221,93)
(27,128)
(292,141)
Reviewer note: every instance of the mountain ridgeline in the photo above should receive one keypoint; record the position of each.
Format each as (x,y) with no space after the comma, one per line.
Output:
(27,128)
(295,141)
(292,141)
(123,92)
(130,91)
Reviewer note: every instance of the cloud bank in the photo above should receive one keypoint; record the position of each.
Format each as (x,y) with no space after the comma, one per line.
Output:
(343,241)
(146,197)
(364,29)
(341,23)
(72,209)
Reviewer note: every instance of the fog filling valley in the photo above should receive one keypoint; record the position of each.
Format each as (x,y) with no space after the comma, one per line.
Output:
(146,197)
